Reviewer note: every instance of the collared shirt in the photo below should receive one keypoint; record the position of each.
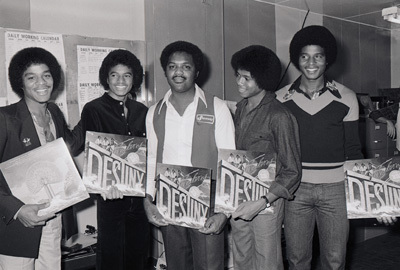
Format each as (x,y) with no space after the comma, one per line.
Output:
(107,115)
(330,86)
(271,127)
(179,134)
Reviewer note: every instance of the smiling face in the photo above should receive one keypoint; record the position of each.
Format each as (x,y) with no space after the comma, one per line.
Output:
(312,62)
(181,72)
(247,86)
(120,81)
(37,83)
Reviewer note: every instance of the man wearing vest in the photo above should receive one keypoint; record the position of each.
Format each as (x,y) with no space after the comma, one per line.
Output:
(186,128)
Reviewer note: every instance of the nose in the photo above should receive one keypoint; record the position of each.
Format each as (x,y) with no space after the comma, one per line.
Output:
(239,80)
(312,60)
(178,71)
(121,79)
(40,80)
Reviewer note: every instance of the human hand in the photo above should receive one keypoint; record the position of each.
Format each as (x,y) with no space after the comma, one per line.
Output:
(387,220)
(214,224)
(28,215)
(112,193)
(391,130)
(248,210)
(152,213)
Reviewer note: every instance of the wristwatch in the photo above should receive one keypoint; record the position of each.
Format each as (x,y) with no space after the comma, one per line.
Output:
(267,204)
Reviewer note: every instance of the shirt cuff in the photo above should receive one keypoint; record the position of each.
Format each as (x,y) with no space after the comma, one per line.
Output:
(16,214)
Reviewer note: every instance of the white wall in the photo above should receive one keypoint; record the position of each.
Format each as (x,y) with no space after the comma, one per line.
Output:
(115,19)
(395,59)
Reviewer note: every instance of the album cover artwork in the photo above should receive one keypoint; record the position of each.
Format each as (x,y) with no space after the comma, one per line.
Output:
(243,176)
(115,160)
(183,194)
(45,174)
(373,187)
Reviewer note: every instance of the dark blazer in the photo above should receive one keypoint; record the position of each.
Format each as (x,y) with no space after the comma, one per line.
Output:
(17,136)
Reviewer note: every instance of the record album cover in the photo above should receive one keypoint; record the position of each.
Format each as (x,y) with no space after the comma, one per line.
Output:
(183,194)
(373,187)
(45,174)
(243,176)
(115,160)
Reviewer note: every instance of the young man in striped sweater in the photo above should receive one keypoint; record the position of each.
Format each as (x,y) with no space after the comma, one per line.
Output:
(327,114)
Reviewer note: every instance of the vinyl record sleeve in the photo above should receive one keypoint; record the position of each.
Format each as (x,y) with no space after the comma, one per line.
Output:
(183,194)
(45,174)
(115,160)
(373,187)
(243,176)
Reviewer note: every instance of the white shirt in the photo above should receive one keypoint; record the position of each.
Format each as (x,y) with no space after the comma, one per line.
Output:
(179,134)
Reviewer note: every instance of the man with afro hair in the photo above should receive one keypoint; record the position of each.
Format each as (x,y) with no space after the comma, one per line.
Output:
(263,124)
(327,114)
(186,128)
(123,230)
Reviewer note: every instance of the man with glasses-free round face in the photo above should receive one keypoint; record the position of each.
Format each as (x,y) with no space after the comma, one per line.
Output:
(176,136)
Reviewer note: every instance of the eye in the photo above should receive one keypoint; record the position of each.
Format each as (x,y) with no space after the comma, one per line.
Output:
(128,76)
(187,67)
(303,57)
(48,76)
(171,66)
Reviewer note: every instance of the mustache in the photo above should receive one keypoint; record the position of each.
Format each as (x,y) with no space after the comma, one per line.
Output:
(178,76)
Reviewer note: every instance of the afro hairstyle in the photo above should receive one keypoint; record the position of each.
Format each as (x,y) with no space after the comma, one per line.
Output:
(262,63)
(23,59)
(183,46)
(121,57)
(313,35)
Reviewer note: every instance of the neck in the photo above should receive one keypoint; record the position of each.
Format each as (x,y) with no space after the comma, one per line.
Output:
(311,86)
(180,100)
(253,101)
(119,98)
(36,108)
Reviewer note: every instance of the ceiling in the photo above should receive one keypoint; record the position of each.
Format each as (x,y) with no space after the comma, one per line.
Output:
(361,11)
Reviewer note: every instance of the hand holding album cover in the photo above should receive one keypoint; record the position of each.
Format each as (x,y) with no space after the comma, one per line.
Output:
(183,194)
(243,176)
(115,160)
(45,174)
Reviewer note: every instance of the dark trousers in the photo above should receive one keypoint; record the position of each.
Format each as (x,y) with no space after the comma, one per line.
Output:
(188,249)
(123,234)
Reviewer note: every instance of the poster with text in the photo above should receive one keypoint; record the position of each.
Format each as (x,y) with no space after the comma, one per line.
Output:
(89,63)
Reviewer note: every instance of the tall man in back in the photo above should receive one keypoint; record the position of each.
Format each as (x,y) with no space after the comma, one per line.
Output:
(186,128)
(327,114)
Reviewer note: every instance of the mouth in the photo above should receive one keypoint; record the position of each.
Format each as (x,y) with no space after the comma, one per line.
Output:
(311,70)
(178,79)
(42,92)
(241,89)
(120,87)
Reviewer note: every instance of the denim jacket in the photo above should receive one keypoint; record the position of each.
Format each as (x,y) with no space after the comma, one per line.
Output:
(272,127)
